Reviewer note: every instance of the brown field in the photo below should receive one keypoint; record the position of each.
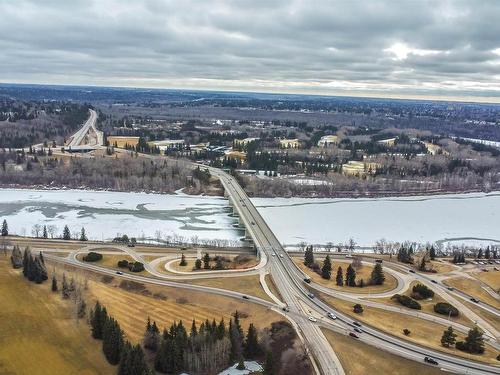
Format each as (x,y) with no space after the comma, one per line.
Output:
(39,334)
(165,304)
(243,284)
(251,261)
(422,332)
(491,278)
(111,261)
(359,358)
(472,288)
(272,286)
(427,305)
(362,273)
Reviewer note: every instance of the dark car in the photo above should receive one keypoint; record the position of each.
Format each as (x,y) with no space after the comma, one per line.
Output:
(430,360)
(474,300)
(352,334)
(285,309)
(450,288)
(412,271)
(119,272)
(307,280)
(434,281)
(246,297)
(358,330)
(310,295)
(356,324)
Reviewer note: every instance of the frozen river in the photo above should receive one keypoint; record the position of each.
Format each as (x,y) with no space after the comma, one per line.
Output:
(464,217)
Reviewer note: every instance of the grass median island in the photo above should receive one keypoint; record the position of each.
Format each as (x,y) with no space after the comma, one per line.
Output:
(39,334)
(359,358)
(239,262)
(427,305)
(364,272)
(422,331)
(249,285)
(111,261)
(473,288)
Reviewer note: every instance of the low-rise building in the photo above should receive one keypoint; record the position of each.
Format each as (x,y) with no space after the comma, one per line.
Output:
(245,141)
(289,143)
(359,168)
(168,144)
(388,141)
(242,156)
(328,140)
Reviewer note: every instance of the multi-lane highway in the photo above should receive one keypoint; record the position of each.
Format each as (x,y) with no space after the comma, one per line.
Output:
(298,302)
(289,281)
(87,135)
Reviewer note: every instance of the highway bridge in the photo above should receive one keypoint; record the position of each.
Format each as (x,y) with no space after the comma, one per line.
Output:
(302,303)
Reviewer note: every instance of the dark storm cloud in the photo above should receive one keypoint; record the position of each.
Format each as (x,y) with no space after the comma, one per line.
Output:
(434,47)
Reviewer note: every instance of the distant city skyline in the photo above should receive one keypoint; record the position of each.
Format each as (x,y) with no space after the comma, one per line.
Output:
(441,50)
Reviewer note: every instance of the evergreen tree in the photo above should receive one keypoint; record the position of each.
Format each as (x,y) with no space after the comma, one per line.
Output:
(252,349)
(16,257)
(449,337)
(206,261)
(112,341)
(83,235)
(26,261)
(197,264)
(44,233)
(183,261)
(221,330)
(340,277)
(132,361)
(474,342)
(194,331)
(326,270)
(66,233)
(422,266)
(269,364)
(432,253)
(377,276)
(151,336)
(350,276)
(54,283)
(5,228)
(309,256)
(98,317)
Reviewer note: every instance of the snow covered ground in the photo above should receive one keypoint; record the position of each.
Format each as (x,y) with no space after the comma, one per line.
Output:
(463,218)
(107,214)
(460,217)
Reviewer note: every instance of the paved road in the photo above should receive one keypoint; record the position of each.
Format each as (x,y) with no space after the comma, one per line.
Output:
(288,279)
(81,137)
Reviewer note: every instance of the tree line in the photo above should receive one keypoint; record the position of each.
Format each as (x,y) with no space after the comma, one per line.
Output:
(205,349)
(377,276)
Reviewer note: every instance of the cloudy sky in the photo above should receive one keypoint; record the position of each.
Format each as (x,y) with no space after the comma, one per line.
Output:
(386,48)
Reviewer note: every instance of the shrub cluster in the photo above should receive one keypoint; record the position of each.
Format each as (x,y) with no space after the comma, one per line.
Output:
(92,257)
(407,301)
(446,309)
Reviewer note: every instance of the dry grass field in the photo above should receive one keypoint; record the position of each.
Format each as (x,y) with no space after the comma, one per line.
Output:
(472,288)
(491,278)
(243,284)
(359,358)
(131,306)
(39,334)
(363,272)
(246,262)
(422,332)
(427,305)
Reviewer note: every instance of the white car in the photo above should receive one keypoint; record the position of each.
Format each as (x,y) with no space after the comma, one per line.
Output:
(274,254)
(331,316)
(281,255)
(312,319)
